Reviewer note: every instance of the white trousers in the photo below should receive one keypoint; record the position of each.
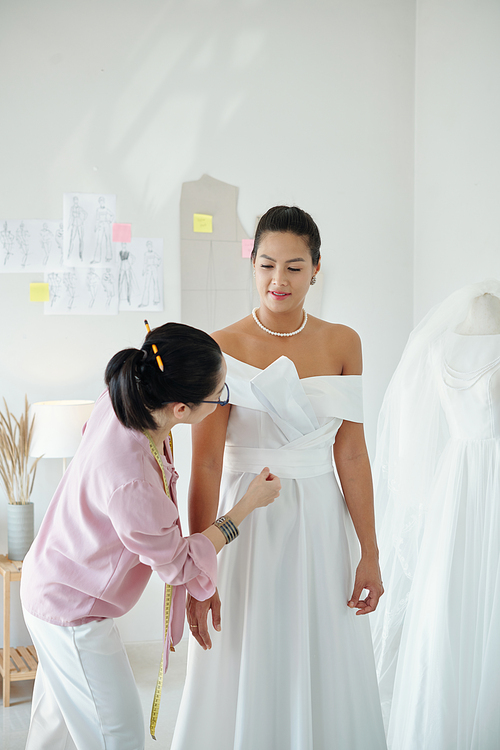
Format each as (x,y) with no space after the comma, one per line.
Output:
(85,696)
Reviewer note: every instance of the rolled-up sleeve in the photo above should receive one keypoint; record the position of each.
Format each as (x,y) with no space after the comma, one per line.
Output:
(147,523)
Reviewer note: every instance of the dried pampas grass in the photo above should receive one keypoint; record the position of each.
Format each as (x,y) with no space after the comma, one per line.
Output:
(15,441)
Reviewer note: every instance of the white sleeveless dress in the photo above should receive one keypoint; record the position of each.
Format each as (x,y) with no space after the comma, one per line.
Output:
(447,688)
(293,667)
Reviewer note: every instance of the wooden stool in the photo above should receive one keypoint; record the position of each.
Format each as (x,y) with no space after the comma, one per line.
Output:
(15,663)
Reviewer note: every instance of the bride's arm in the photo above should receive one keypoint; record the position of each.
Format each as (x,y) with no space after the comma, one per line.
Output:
(208,438)
(353,467)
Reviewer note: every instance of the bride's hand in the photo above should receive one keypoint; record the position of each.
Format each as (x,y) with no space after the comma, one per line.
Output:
(197,617)
(367,577)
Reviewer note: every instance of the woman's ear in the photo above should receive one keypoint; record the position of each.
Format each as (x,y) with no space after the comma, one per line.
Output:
(180,411)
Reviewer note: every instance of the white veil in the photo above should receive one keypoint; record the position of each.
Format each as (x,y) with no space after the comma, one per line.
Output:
(411,436)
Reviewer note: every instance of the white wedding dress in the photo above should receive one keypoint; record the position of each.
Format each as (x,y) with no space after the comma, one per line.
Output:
(447,690)
(293,667)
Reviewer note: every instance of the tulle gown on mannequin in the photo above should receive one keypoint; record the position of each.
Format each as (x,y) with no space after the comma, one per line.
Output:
(293,667)
(446,694)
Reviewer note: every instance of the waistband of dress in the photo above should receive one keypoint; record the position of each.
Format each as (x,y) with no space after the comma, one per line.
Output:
(286,464)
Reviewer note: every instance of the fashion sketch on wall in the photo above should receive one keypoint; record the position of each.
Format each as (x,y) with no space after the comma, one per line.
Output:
(29,245)
(82,291)
(140,274)
(87,237)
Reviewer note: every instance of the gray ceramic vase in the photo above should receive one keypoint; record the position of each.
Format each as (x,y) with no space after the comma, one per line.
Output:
(20,530)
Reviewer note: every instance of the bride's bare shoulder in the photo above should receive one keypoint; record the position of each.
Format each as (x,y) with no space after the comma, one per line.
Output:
(336,331)
(343,343)
(231,339)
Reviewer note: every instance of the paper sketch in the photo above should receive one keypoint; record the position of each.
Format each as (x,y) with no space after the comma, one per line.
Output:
(126,275)
(82,291)
(70,285)
(151,280)
(77,216)
(140,274)
(22,239)
(88,220)
(103,245)
(7,240)
(93,281)
(108,281)
(216,282)
(54,281)
(47,239)
(29,245)
(58,236)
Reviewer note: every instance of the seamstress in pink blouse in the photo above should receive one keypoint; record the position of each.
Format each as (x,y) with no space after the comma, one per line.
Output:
(109,525)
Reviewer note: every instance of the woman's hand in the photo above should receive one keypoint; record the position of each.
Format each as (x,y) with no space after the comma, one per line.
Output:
(197,617)
(367,577)
(263,489)
(261,492)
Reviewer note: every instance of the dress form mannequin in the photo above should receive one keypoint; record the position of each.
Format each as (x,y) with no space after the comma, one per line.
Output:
(437,480)
(483,317)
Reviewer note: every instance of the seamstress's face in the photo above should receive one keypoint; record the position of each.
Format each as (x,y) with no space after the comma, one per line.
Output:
(283,271)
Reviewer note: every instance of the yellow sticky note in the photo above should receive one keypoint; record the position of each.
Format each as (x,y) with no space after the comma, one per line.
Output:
(202,223)
(39,293)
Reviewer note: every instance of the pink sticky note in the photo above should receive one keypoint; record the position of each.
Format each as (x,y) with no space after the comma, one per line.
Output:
(122,232)
(246,248)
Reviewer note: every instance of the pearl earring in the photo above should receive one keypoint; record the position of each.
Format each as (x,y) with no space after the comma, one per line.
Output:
(313,280)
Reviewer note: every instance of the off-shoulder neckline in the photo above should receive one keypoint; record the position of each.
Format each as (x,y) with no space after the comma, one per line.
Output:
(283,356)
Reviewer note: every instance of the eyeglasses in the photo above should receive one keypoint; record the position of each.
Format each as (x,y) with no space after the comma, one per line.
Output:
(223,398)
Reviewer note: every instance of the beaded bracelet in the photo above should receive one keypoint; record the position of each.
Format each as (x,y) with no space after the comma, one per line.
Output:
(227,527)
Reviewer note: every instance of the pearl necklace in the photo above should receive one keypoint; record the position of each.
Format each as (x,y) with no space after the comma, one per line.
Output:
(275,333)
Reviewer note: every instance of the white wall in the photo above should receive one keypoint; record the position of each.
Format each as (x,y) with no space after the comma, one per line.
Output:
(457,164)
(307,103)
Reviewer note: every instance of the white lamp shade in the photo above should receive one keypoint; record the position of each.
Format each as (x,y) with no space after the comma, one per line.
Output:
(57,428)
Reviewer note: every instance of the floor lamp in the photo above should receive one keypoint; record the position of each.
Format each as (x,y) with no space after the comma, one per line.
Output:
(57,428)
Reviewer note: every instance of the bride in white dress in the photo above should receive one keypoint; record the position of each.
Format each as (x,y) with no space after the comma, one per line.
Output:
(289,665)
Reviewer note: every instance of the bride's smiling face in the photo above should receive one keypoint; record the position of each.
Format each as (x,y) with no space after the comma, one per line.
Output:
(283,271)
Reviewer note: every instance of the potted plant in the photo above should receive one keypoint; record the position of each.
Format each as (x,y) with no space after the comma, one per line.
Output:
(18,478)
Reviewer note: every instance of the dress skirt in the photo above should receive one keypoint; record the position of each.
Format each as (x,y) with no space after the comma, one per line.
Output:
(293,666)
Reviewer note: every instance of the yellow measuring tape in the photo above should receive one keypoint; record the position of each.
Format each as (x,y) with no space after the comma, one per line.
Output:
(168,596)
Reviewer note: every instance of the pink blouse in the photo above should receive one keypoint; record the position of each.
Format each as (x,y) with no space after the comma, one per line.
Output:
(107,527)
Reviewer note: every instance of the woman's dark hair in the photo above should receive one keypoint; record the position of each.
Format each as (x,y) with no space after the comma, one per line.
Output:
(192,363)
(289,219)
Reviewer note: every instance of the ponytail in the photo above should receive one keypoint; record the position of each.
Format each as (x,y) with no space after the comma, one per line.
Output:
(123,383)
